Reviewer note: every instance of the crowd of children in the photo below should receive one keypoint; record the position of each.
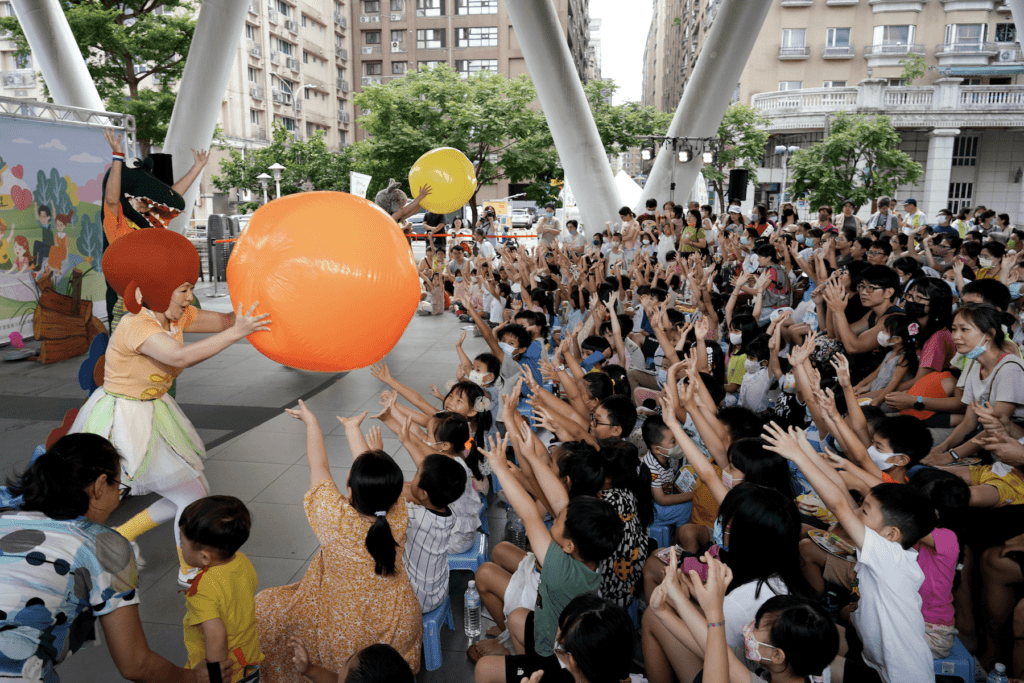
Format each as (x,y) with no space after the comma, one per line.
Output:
(824,421)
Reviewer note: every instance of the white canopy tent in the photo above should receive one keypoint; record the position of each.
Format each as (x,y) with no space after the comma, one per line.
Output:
(629,191)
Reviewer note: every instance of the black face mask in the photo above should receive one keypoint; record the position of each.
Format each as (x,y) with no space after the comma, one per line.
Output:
(914,309)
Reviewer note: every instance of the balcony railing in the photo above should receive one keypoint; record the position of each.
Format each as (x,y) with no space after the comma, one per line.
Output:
(817,99)
(292,64)
(908,96)
(794,52)
(873,96)
(20,78)
(342,85)
(838,52)
(340,52)
(344,116)
(254,7)
(256,92)
(965,48)
(341,20)
(272,15)
(991,96)
(894,49)
(280,97)
(796,3)
(275,57)
(255,50)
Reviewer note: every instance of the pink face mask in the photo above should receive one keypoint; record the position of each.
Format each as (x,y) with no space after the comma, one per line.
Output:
(752,645)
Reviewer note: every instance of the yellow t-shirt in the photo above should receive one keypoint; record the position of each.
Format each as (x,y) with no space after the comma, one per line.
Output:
(128,372)
(736,371)
(226,592)
(705,507)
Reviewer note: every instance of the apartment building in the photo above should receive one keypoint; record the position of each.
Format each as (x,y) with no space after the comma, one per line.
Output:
(814,58)
(17,74)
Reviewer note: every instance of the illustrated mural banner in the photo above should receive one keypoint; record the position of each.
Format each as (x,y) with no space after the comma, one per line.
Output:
(51,187)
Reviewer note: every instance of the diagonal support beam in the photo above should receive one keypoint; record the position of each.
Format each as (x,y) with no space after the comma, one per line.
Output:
(56,53)
(727,48)
(203,83)
(567,111)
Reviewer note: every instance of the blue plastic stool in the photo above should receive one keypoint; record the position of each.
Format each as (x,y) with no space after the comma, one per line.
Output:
(483,515)
(432,633)
(959,663)
(472,558)
(661,534)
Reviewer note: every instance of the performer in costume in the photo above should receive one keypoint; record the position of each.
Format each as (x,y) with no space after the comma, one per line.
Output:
(134,198)
(155,270)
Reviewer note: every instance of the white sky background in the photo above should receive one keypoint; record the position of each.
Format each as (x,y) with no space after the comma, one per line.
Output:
(624,28)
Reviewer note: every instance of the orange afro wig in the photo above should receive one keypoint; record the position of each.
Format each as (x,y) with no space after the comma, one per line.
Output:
(155,262)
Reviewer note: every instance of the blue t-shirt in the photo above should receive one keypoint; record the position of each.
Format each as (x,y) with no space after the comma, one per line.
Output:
(58,576)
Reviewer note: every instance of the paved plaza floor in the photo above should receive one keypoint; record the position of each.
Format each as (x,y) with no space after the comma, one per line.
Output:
(236,401)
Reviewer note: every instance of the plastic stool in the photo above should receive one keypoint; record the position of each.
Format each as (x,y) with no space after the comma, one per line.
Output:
(472,558)
(483,515)
(959,663)
(661,534)
(432,633)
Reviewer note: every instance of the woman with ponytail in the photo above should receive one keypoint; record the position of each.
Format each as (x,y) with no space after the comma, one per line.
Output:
(63,568)
(356,592)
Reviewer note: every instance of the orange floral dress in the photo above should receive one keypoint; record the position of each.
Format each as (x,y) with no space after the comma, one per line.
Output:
(340,606)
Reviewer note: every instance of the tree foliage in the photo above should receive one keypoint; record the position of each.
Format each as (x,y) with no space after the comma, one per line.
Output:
(740,143)
(914,67)
(130,45)
(621,125)
(860,159)
(309,165)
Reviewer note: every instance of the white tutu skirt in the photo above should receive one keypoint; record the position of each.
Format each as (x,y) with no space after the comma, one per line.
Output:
(159,447)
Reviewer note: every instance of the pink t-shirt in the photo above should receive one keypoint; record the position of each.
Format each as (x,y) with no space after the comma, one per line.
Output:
(939,567)
(938,351)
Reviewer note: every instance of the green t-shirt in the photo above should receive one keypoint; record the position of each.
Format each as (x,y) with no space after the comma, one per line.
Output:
(561,579)
(737,369)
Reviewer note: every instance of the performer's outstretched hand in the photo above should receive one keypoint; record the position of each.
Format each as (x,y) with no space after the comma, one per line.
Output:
(114,140)
(202,157)
(247,323)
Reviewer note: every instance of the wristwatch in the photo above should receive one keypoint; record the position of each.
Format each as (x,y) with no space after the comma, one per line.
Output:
(919,403)
(955,456)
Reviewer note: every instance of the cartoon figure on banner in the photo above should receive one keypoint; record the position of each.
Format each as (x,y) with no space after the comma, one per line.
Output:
(155,271)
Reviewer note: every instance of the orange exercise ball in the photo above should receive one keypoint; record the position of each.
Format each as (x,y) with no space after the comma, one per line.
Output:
(335,274)
(451,177)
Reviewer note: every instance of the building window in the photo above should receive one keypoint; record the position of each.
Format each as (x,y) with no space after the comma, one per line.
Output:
(250,32)
(430,8)
(1006,33)
(965,150)
(430,38)
(465,67)
(254,75)
(794,37)
(374,68)
(965,34)
(282,84)
(371,6)
(476,6)
(429,64)
(372,37)
(254,117)
(398,68)
(486,36)
(790,85)
(894,35)
(834,84)
(305,57)
(397,5)
(959,197)
(284,8)
(342,137)
(286,47)
(837,37)
(287,122)
(341,72)
(398,36)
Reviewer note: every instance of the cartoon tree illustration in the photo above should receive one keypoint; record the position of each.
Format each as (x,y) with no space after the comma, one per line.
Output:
(90,240)
(53,192)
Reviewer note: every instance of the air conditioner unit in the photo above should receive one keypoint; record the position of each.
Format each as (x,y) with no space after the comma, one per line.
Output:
(395,45)
(363,20)
(397,17)
(255,51)
(367,50)
(1006,55)
(291,25)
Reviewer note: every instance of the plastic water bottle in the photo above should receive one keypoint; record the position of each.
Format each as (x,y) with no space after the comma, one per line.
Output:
(473,611)
(998,674)
(516,529)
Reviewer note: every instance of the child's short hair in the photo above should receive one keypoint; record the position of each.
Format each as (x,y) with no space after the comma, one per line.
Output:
(872,415)
(653,430)
(757,348)
(907,435)
(378,663)
(595,343)
(443,479)
(493,364)
(220,523)
(741,422)
(950,494)
(803,630)
(599,385)
(523,338)
(621,412)
(594,527)
(907,509)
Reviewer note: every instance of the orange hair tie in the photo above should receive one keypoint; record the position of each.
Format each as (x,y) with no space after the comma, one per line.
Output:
(469,444)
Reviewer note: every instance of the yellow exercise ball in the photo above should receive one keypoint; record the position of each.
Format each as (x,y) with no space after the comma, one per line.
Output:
(450,175)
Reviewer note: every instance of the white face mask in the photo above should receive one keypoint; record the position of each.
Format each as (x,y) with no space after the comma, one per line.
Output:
(751,366)
(735,338)
(676,452)
(479,377)
(985,262)
(646,241)
(729,481)
(881,459)
(883,338)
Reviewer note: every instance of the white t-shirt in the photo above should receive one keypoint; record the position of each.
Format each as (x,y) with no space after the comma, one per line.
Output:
(1004,384)
(888,617)
(497,309)
(486,250)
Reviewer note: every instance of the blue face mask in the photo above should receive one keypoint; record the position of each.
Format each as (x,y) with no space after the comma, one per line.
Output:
(597,243)
(801,239)
(744,240)
(977,351)
(1015,290)
(662,376)
(718,535)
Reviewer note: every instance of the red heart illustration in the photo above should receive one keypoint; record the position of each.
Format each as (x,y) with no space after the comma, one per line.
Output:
(18,171)
(21,197)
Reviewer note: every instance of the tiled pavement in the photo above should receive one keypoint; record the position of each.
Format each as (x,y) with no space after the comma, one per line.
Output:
(255,452)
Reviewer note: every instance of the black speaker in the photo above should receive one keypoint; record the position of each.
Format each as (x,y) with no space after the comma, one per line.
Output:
(738,179)
(163,169)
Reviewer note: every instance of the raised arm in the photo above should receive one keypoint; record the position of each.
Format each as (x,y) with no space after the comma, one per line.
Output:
(200,160)
(694,456)
(167,350)
(316,452)
(112,197)
(383,373)
(518,498)
(412,207)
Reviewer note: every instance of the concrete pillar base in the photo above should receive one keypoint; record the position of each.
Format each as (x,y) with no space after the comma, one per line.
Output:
(938,169)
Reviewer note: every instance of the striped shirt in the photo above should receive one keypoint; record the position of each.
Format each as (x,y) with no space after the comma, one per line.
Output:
(426,554)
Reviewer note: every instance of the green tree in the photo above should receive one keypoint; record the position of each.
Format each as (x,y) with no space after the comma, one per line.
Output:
(308,165)
(859,160)
(740,143)
(914,67)
(134,50)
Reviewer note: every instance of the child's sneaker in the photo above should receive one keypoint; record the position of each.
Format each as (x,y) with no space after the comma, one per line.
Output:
(139,562)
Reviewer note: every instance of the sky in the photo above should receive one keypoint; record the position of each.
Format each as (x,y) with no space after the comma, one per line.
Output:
(623,34)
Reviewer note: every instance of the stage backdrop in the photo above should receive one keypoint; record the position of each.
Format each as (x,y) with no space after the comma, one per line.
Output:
(58,166)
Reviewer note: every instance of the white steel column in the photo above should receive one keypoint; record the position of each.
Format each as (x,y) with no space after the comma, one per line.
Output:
(568,114)
(938,170)
(207,68)
(706,95)
(57,54)
(1017,11)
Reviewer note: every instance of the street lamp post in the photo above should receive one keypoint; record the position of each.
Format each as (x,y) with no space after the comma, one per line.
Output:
(786,152)
(264,179)
(276,169)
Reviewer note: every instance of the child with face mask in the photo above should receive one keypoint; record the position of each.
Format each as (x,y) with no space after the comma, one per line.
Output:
(671,484)
(754,389)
